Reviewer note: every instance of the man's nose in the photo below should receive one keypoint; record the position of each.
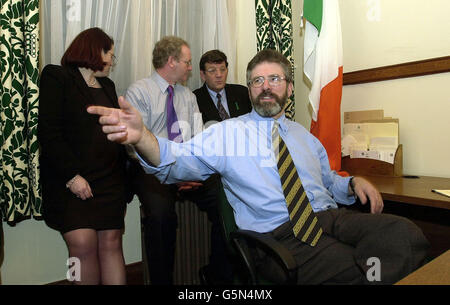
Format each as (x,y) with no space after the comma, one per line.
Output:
(266,86)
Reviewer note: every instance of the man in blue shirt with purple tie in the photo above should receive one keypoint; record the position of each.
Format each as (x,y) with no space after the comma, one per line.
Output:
(331,245)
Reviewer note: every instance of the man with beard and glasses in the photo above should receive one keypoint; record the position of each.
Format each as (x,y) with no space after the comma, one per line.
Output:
(288,192)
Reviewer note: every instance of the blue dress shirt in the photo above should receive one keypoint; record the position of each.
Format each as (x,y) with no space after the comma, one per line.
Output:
(239,149)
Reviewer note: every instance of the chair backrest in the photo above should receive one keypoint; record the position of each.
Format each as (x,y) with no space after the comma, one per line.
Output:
(226,214)
(239,249)
(227,219)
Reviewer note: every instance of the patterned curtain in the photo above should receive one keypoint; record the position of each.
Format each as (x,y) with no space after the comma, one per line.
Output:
(19,52)
(274,31)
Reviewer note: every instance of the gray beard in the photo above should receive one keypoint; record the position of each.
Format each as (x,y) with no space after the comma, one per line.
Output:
(267,110)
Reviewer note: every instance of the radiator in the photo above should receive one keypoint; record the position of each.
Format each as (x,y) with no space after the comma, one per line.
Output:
(193,243)
(192,246)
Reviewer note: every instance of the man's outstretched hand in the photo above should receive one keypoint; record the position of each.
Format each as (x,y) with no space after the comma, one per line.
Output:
(122,125)
(125,126)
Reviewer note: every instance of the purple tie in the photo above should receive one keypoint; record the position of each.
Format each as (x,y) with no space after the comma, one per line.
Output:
(173,130)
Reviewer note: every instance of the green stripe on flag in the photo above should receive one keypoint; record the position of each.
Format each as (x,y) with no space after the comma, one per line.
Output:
(312,11)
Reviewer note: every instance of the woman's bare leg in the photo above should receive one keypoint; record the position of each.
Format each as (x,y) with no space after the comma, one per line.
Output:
(82,244)
(112,263)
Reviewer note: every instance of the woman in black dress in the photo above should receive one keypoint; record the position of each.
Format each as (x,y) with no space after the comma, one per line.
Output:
(82,173)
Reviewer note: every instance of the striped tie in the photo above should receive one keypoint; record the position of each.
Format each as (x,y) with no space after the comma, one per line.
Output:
(222,112)
(304,221)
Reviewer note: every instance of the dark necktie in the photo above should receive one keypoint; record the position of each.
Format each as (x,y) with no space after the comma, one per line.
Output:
(173,129)
(222,112)
(304,221)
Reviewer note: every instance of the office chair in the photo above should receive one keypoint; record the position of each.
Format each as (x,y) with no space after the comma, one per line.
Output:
(243,246)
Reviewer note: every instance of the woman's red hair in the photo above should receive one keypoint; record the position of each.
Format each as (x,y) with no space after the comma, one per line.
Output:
(86,49)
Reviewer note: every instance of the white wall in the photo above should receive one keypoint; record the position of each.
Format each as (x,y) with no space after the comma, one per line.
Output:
(402,31)
(385,32)
(246,37)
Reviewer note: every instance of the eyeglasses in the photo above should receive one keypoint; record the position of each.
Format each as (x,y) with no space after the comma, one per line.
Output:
(274,81)
(113,58)
(188,63)
(214,71)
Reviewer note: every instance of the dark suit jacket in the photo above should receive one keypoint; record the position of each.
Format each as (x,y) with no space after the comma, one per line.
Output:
(65,129)
(237,99)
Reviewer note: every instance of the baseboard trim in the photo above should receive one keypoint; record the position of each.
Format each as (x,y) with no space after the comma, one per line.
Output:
(134,275)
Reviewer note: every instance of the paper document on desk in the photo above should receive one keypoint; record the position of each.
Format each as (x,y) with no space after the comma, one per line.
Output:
(367,154)
(387,155)
(384,142)
(364,115)
(385,146)
(442,192)
(370,135)
(372,130)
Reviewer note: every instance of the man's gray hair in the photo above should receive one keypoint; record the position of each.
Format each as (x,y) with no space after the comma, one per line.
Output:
(271,56)
(166,47)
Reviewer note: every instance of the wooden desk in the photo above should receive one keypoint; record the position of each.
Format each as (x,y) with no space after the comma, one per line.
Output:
(436,272)
(415,191)
(412,198)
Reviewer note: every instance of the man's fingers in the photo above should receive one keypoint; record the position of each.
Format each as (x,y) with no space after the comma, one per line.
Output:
(108,116)
(380,205)
(184,188)
(89,191)
(115,133)
(108,129)
(124,104)
(362,197)
(99,110)
(108,120)
(117,137)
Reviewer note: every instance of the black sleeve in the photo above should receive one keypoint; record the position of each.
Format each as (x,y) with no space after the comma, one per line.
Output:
(55,150)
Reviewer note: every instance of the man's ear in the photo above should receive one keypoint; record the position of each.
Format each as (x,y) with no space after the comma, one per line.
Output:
(172,61)
(290,89)
(202,75)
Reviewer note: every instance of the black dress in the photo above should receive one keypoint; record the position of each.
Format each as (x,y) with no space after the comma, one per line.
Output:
(72,142)
(106,209)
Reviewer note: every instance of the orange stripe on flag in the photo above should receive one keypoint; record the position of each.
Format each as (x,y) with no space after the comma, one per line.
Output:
(328,126)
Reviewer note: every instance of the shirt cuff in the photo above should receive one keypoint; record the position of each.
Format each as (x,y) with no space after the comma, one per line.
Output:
(345,198)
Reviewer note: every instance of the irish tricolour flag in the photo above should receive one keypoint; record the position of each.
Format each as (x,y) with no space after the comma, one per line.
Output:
(323,67)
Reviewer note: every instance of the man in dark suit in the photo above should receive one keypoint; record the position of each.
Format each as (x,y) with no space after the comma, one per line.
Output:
(216,99)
